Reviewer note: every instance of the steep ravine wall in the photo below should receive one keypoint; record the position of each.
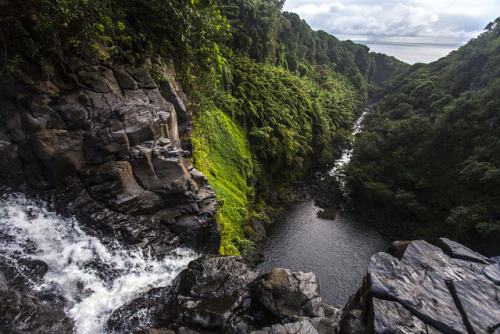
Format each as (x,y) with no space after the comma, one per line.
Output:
(102,139)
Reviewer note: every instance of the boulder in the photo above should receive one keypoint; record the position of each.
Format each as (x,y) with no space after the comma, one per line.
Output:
(426,291)
(213,276)
(285,294)
(423,293)
(139,313)
(221,294)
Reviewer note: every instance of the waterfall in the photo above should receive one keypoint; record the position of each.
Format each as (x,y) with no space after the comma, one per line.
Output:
(337,171)
(94,277)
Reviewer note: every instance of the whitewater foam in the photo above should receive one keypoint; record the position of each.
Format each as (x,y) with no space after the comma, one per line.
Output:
(93,276)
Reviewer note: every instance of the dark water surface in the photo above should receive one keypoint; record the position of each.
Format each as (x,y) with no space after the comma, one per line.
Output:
(337,251)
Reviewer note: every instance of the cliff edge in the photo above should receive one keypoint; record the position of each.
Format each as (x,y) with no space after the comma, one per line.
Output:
(103,140)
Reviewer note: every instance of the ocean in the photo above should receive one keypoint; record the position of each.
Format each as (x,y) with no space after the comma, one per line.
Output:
(412,52)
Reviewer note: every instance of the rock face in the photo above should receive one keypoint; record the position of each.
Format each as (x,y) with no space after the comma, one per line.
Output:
(220,294)
(105,144)
(426,291)
(24,313)
(301,327)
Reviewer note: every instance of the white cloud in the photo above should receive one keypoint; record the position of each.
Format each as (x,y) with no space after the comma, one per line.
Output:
(439,21)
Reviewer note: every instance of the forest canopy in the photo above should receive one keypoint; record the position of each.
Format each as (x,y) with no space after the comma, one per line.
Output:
(430,149)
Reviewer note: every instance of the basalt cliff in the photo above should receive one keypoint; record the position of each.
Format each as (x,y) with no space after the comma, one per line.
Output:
(104,141)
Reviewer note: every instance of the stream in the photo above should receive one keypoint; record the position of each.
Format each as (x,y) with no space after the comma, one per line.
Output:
(337,251)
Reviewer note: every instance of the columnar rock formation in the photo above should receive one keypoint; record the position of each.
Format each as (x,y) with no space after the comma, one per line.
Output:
(105,140)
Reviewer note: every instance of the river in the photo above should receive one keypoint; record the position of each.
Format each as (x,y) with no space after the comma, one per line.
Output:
(337,251)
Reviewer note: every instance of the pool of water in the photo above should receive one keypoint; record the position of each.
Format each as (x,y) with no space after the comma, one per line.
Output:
(337,251)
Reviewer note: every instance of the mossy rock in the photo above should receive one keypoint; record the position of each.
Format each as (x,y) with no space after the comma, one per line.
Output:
(328,213)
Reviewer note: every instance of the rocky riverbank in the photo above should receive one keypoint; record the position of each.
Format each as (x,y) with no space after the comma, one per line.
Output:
(414,287)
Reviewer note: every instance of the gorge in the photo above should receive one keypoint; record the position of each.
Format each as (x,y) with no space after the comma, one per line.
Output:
(145,149)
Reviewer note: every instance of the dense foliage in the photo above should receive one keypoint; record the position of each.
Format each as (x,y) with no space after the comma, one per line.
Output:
(431,148)
(292,93)
(186,30)
(270,97)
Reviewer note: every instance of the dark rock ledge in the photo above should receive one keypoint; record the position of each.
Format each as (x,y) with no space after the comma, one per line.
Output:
(421,289)
(413,288)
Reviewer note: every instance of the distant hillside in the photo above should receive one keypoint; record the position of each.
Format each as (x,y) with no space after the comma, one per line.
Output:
(285,99)
(430,148)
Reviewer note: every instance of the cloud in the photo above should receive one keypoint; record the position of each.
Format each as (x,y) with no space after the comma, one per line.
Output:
(439,21)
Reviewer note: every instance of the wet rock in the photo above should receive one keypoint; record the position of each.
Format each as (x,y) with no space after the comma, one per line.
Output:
(425,294)
(392,317)
(213,276)
(22,313)
(456,250)
(207,294)
(221,294)
(286,294)
(302,327)
(426,291)
(23,274)
(138,313)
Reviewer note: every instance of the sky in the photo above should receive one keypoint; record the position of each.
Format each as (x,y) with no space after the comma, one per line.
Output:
(452,22)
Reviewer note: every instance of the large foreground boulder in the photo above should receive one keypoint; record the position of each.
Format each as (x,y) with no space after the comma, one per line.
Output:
(222,295)
(420,289)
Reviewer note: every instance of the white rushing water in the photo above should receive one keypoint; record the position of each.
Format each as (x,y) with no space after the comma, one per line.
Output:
(94,277)
(337,170)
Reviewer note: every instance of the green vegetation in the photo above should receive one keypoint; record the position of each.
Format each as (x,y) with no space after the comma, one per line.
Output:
(270,97)
(431,148)
(222,154)
(185,30)
(291,92)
